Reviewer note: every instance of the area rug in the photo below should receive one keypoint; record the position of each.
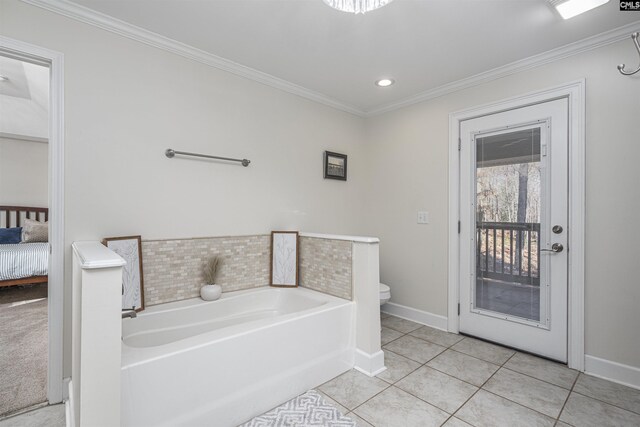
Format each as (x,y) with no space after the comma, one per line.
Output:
(307,410)
(23,347)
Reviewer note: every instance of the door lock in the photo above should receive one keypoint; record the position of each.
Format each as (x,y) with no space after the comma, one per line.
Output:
(557,229)
(555,248)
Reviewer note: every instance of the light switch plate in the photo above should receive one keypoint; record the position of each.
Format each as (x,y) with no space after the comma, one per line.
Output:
(423,217)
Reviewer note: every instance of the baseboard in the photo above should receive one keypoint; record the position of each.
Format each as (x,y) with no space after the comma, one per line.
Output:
(67,414)
(415,315)
(612,371)
(68,406)
(65,388)
(369,364)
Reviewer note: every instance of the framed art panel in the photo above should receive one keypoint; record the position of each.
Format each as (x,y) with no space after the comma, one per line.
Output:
(130,249)
(284,258)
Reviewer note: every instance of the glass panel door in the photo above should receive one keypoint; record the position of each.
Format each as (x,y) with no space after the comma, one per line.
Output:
(509,209)
(513,228)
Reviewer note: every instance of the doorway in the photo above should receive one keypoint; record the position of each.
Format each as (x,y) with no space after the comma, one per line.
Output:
(31,56)
(513,193)
(517,186)
(24,247)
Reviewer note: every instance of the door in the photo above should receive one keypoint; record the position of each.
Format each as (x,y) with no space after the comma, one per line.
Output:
(513,230)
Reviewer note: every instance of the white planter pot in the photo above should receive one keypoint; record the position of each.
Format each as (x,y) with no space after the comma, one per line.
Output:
(210,292)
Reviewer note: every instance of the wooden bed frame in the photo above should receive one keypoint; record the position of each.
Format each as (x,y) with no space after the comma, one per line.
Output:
(18,214)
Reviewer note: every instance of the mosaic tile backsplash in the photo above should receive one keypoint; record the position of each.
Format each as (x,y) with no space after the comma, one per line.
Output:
(173,268)
(325,266)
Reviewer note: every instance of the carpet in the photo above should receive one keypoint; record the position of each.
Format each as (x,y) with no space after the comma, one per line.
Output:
(23,347)
(307,410)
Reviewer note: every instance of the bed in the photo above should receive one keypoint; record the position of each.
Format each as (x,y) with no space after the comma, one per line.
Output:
(23,263)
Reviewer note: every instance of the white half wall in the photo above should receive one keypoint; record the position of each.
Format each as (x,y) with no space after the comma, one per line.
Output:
(24,170)
(407,157)
(366,279)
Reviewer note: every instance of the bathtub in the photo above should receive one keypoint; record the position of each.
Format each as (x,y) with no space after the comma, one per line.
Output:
(220,363)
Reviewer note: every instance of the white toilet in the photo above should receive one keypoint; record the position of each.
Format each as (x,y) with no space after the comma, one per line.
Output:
(385,293)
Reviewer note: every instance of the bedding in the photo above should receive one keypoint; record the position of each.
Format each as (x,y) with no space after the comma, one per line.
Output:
(10,235)
(23,260)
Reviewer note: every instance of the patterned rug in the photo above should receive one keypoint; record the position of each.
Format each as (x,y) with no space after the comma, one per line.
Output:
(307,410)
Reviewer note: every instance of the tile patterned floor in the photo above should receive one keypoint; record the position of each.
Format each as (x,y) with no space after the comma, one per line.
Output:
(434,378)
(49,416)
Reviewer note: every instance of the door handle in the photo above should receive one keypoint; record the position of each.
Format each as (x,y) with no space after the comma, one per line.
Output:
(555,248)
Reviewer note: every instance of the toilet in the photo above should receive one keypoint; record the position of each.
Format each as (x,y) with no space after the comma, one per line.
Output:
(385,293)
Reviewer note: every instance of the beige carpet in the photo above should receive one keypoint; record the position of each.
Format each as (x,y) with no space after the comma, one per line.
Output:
(23,347)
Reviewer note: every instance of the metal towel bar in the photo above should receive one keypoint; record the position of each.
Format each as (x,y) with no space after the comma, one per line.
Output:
(170,153)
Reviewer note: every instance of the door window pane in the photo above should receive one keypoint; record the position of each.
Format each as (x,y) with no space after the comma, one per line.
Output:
(508,212)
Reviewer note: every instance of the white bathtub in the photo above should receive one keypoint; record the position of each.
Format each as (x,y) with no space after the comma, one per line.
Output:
(220,363)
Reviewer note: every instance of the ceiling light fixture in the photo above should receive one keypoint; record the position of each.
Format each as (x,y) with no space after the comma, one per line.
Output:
(570,8)
(385,82)
(357,6)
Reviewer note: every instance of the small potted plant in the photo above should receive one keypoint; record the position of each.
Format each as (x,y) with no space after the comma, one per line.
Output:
(210,291)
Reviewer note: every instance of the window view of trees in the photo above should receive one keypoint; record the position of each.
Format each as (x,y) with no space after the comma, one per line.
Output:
(509,193)
(508,217)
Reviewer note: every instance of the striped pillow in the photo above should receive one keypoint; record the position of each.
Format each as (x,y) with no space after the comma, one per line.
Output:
(35,231)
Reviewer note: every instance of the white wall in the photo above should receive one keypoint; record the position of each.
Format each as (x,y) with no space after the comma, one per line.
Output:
(126,102)
(408,161)
(24,171)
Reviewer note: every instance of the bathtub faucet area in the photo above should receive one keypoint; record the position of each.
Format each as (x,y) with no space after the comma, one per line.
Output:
(129,312)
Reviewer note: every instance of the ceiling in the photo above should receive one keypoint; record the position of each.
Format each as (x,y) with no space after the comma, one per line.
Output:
(24,100)
(422,44)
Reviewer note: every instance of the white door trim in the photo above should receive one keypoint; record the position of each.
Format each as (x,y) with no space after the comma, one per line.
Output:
(575,93)
(55,384)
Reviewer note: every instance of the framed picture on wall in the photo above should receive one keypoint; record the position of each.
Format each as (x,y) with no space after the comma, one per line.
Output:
(335,166)
(284,258)
(130,249)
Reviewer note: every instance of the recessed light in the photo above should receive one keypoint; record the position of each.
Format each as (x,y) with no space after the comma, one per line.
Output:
(357,6)
(570,8)
(385,82)
(3,78)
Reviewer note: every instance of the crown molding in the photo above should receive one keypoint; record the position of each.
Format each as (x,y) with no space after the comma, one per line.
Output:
(117,26)
(122,28)
(593,42)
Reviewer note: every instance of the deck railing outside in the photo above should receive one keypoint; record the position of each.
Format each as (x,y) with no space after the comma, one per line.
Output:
(508,251)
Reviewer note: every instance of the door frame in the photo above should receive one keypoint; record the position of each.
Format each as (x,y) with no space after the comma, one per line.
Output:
(575,93)
(55,62)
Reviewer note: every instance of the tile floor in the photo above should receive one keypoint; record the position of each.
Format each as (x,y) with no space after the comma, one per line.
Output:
(49,416)
(434,378)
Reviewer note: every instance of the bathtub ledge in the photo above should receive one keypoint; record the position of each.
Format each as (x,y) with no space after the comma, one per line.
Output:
(358,239)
